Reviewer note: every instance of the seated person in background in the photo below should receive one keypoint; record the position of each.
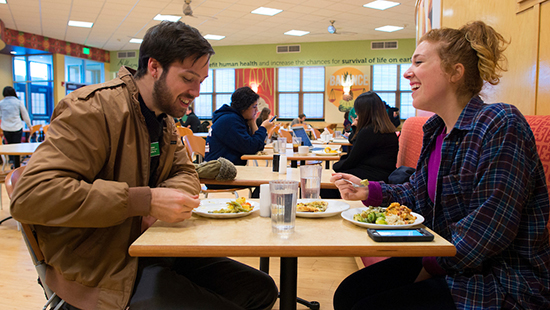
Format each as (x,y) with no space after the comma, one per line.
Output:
(112,164)
(479,184)
(234,132)
(375,145)
(263,116)
(347,124)
(192,122)
(393,114)
(300,120)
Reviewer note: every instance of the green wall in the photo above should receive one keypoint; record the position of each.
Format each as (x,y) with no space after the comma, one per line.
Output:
(340,53)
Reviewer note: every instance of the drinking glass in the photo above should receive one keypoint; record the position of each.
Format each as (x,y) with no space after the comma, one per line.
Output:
(275,147)
(310,181)
(296,142)
(282,145)
(284,194)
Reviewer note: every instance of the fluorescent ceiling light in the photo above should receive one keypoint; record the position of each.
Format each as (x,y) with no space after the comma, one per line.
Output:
(172,18)
(381,4)
(388,28)
(75,23)
(266,11)
(297,33)
(213,37)
(3,1)
(134,40)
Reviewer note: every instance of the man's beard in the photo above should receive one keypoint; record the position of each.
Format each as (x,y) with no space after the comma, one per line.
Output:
(163,100)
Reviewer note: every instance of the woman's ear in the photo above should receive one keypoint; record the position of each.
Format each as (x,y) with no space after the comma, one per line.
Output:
(458,73)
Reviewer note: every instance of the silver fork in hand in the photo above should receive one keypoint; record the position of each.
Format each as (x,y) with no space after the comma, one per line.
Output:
(353,184)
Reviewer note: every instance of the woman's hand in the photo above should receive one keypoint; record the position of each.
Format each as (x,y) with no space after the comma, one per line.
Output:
(347,191)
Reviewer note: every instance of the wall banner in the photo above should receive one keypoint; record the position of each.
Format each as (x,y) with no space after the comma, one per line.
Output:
(344,84)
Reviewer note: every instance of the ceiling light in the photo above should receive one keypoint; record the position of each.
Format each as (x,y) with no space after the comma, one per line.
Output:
(266,11)
(381,4)
(134,40)
(297,33)
(213,37)
(75,23)
(3,1)
(388,28)
(172,18)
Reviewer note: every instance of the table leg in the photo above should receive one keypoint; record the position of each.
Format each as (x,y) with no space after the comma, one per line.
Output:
(16,161)
(289,279)
(327,164)
(294,164)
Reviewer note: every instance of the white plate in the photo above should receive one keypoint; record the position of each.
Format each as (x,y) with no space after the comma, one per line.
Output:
(221,203)
(333,208)
(322,153)
(340,140)
(348,216)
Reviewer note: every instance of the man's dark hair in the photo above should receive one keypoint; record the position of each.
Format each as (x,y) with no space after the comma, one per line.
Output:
(301,115)
(171,41)
(190,108)
(9,91)
(243,98)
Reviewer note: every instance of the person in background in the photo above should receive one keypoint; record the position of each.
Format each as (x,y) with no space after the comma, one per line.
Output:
(263,116)
(375,145)
(234,131)
(301,119)
(347,124)
(11,111)
(393,114)
(192,121)
(479,184)
(113,164)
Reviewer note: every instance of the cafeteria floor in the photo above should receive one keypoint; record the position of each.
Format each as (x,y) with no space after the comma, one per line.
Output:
(318,277)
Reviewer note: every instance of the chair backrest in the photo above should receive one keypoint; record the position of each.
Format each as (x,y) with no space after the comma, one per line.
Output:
(285,134)
(410,141)
(273,129)
(195,146)
(45,128)
(184,131)
(315,133)
(300,125)
(540,125)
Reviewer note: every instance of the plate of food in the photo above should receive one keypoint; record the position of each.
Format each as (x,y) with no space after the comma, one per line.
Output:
(226,208)
(329,150)
(394,216)
(319,208)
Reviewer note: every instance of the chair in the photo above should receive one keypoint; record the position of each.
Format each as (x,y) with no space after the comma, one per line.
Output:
(34,131)
(29,235)
(316,133)
(285,134)
(196,147)
(273,129)
(5,158)
(45,129)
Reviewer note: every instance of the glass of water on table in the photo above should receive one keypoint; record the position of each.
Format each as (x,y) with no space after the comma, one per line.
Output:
(310,181)
(284,194)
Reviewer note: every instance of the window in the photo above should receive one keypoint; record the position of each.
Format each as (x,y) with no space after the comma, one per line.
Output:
(216,90)
(301,90)
(388,82)
(84,71)
(33,83)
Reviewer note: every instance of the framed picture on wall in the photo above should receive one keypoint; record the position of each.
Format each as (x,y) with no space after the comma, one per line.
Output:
(428,16)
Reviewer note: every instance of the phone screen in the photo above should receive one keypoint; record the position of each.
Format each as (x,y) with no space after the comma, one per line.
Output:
(398,232)
(273,118)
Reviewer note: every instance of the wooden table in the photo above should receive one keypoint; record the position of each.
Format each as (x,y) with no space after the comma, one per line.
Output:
(254,176)
(294,157)
(313,237)
(201,134)
(18,149)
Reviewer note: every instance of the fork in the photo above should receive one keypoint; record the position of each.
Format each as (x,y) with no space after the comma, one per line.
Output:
(353,184)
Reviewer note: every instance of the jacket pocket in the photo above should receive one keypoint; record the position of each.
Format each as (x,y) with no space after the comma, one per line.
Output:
(91,238)
(456,193)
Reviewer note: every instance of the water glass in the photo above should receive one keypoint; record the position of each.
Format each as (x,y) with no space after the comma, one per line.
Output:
(275,147)
(282,145)
(284,194)
(337,135)
(310,181)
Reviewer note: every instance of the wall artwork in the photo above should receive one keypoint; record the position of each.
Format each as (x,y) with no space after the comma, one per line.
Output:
(428,16)
(344,84)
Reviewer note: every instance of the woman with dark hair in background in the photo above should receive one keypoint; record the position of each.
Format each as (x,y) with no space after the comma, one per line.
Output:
(375,145)
(11,111)
(263,116)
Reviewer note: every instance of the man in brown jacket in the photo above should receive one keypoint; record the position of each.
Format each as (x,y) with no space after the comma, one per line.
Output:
(111,165)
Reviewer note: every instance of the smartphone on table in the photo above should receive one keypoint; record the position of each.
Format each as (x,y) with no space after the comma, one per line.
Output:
(400,235)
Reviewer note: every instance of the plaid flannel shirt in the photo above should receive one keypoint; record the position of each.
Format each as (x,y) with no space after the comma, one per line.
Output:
(491,203)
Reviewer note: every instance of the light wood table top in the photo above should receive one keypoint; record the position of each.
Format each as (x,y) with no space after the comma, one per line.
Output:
(313,237)
(291,156)
(254,176)
(18,148)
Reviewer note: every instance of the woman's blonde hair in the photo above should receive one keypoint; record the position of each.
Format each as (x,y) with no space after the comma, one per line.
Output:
(478,47)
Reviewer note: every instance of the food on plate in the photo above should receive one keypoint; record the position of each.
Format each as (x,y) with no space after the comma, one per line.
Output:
(364,182)
(395,214)
(314,206)
(237,206)
(331,151)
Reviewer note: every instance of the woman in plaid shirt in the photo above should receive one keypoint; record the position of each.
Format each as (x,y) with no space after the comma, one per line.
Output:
(479,183)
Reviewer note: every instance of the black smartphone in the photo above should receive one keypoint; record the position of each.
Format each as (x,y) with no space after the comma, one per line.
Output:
(273,118)
(400,235)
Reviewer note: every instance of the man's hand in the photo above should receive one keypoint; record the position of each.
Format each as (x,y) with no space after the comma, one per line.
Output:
(171,205)
(347,191)
(267,124)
